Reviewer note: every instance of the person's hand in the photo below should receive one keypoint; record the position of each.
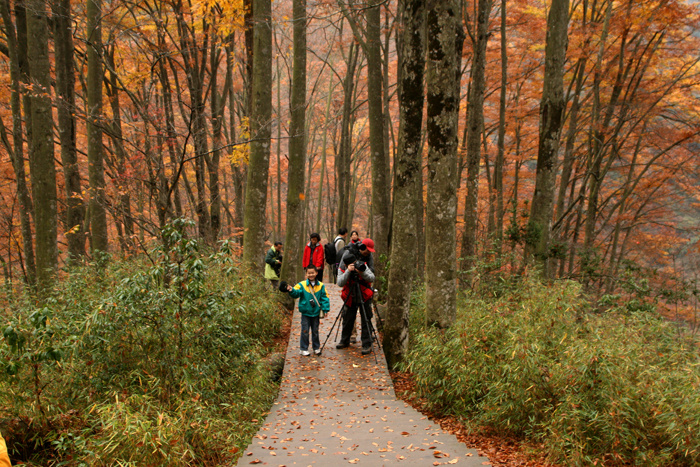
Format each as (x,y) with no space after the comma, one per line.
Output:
(351,267)
(289,288)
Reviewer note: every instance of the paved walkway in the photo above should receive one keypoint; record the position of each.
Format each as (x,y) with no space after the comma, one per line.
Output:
(340,408)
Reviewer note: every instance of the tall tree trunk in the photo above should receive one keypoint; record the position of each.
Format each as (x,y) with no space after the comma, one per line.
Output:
(192,53)
(259,164)
(498,165)
(572,132)
(324,146)
(98,214)
(123,212)
(445,39)
(297,149)
(344,155)
(217,111)
(279,154)
(238,170)
(381,183)
(552,107)
(41,157)
(23,61)
(65,104)
(475,123)
(171,135)
(17,150)
(408,170)
(596,132)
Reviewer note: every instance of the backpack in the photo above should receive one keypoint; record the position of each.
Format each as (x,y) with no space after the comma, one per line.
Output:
(329,252)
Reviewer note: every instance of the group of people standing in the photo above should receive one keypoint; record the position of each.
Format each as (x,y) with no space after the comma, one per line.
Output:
(353,270)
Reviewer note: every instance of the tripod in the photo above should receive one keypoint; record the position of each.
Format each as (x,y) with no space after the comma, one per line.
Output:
(356,296)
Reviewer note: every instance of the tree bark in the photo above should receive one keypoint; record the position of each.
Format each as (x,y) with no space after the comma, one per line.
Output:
(238,171)
(408,180)
(552,107)
(344,155)
(17,150)
(214,161)
(98,214)
(259,163)
(475,124)
(381,185)
(65,104)
(293,240)
(122,216)
(194,57)
(445,38)
(498,165)
(324,146)
(41,158)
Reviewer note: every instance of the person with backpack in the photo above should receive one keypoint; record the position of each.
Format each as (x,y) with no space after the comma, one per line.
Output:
(334,251)
(314,254)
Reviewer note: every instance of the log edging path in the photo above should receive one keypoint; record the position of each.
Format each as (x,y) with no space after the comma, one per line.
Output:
(340,408)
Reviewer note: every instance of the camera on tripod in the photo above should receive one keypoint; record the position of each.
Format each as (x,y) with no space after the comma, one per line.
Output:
(358,263)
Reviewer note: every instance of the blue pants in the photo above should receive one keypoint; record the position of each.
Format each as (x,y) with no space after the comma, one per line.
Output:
(306,323)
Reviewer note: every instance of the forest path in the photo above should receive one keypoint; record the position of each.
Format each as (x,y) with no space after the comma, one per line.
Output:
(340,408)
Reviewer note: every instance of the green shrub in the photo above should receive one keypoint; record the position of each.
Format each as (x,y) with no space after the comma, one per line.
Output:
(615,388)
(154,360)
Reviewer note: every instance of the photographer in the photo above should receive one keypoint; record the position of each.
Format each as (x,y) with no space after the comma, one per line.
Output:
(354,271)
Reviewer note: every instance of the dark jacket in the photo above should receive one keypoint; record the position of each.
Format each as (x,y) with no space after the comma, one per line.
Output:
(273,263)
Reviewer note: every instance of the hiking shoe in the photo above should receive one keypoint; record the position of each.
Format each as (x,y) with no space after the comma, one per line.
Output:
(305,353)
(317,352)
(366,350)
(341,346)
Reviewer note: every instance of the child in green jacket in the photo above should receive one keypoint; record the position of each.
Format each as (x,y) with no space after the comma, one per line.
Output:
(313,300)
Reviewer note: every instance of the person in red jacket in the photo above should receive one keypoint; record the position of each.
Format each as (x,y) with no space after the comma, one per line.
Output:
(313,254)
